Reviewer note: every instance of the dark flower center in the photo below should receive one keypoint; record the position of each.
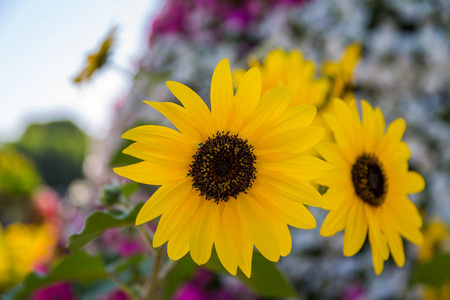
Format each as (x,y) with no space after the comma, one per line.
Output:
(369,179)
(223,167)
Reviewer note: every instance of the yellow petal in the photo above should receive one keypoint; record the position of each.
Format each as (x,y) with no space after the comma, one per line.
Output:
(283,235)
(150,173)
(292,212)
(178,245)
(179,118)
(160,156)
(396,130)
(377,259)
(238,235)
(403,224)
(254,219)
(350,125)
(355,229)
(173,221)
(153,134)
(335,195)
(295,191)
(369,130)
(226,243)
(377,238)
(203,232)
(396,245)
(409,183)
(295,116)
(332,153)
(222,98)
(247,96)
(271,105)
(347,149)
(195,106)
(305,168)
(336,219)
(164,199)
(404,209)
(306,138)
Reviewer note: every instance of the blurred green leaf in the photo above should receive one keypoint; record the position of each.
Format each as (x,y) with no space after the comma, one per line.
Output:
(76,267)
(98,222)
(266,280)
(129,188)
(181,273)
(435,272)
(132,269)
(120,159)
(94,290)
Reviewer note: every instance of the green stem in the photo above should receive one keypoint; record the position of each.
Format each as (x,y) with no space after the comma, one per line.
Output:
(154,280)
(122,286)
(168,268)
(148,237)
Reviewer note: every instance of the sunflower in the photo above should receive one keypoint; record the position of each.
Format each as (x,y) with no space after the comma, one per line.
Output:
(281,68)
(97,60)
(341,72)
(369,183)
(232,177)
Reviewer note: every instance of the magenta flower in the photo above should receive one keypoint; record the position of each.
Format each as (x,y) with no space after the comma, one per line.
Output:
(57,291)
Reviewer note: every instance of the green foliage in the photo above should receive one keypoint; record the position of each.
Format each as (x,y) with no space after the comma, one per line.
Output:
(180,274)
(18,175)
(266,280)
(98,222)
(435,272)
(58,148)
(76,267)
(115,194)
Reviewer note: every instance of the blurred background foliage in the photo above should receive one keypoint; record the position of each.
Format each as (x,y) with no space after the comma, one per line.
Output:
(58,148)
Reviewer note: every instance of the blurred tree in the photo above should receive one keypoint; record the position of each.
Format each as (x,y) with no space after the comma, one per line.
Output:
(18,179)
(58,148)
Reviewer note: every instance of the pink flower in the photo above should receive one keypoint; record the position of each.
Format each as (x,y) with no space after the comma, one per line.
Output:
(57,291)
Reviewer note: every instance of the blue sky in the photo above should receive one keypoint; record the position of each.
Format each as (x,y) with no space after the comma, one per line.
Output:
(43,44)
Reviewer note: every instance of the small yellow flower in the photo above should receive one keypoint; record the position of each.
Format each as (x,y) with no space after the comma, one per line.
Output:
(434,234)
(23,247)
(232,177)
(369,183)
(97,60)
(341,72)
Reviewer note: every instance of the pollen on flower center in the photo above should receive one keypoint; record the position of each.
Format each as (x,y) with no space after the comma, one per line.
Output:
(223,167)
(369,179)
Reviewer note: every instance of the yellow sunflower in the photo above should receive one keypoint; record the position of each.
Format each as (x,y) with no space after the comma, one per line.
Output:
(97,60)
(369,183)
(232,177)
(289,69)
(341,71)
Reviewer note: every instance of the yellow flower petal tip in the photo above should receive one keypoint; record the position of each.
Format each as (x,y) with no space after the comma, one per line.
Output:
(228,175)
(368,184)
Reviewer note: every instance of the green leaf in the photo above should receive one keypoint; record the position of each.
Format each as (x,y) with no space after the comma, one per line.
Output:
(435,272)
(98,222)
(76,267)
(181,273)
(266,280)
(129,188)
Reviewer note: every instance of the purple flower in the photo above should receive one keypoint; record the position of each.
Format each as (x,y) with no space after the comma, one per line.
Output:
(57,291)
(117,295)
(354,291)
(191,292)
